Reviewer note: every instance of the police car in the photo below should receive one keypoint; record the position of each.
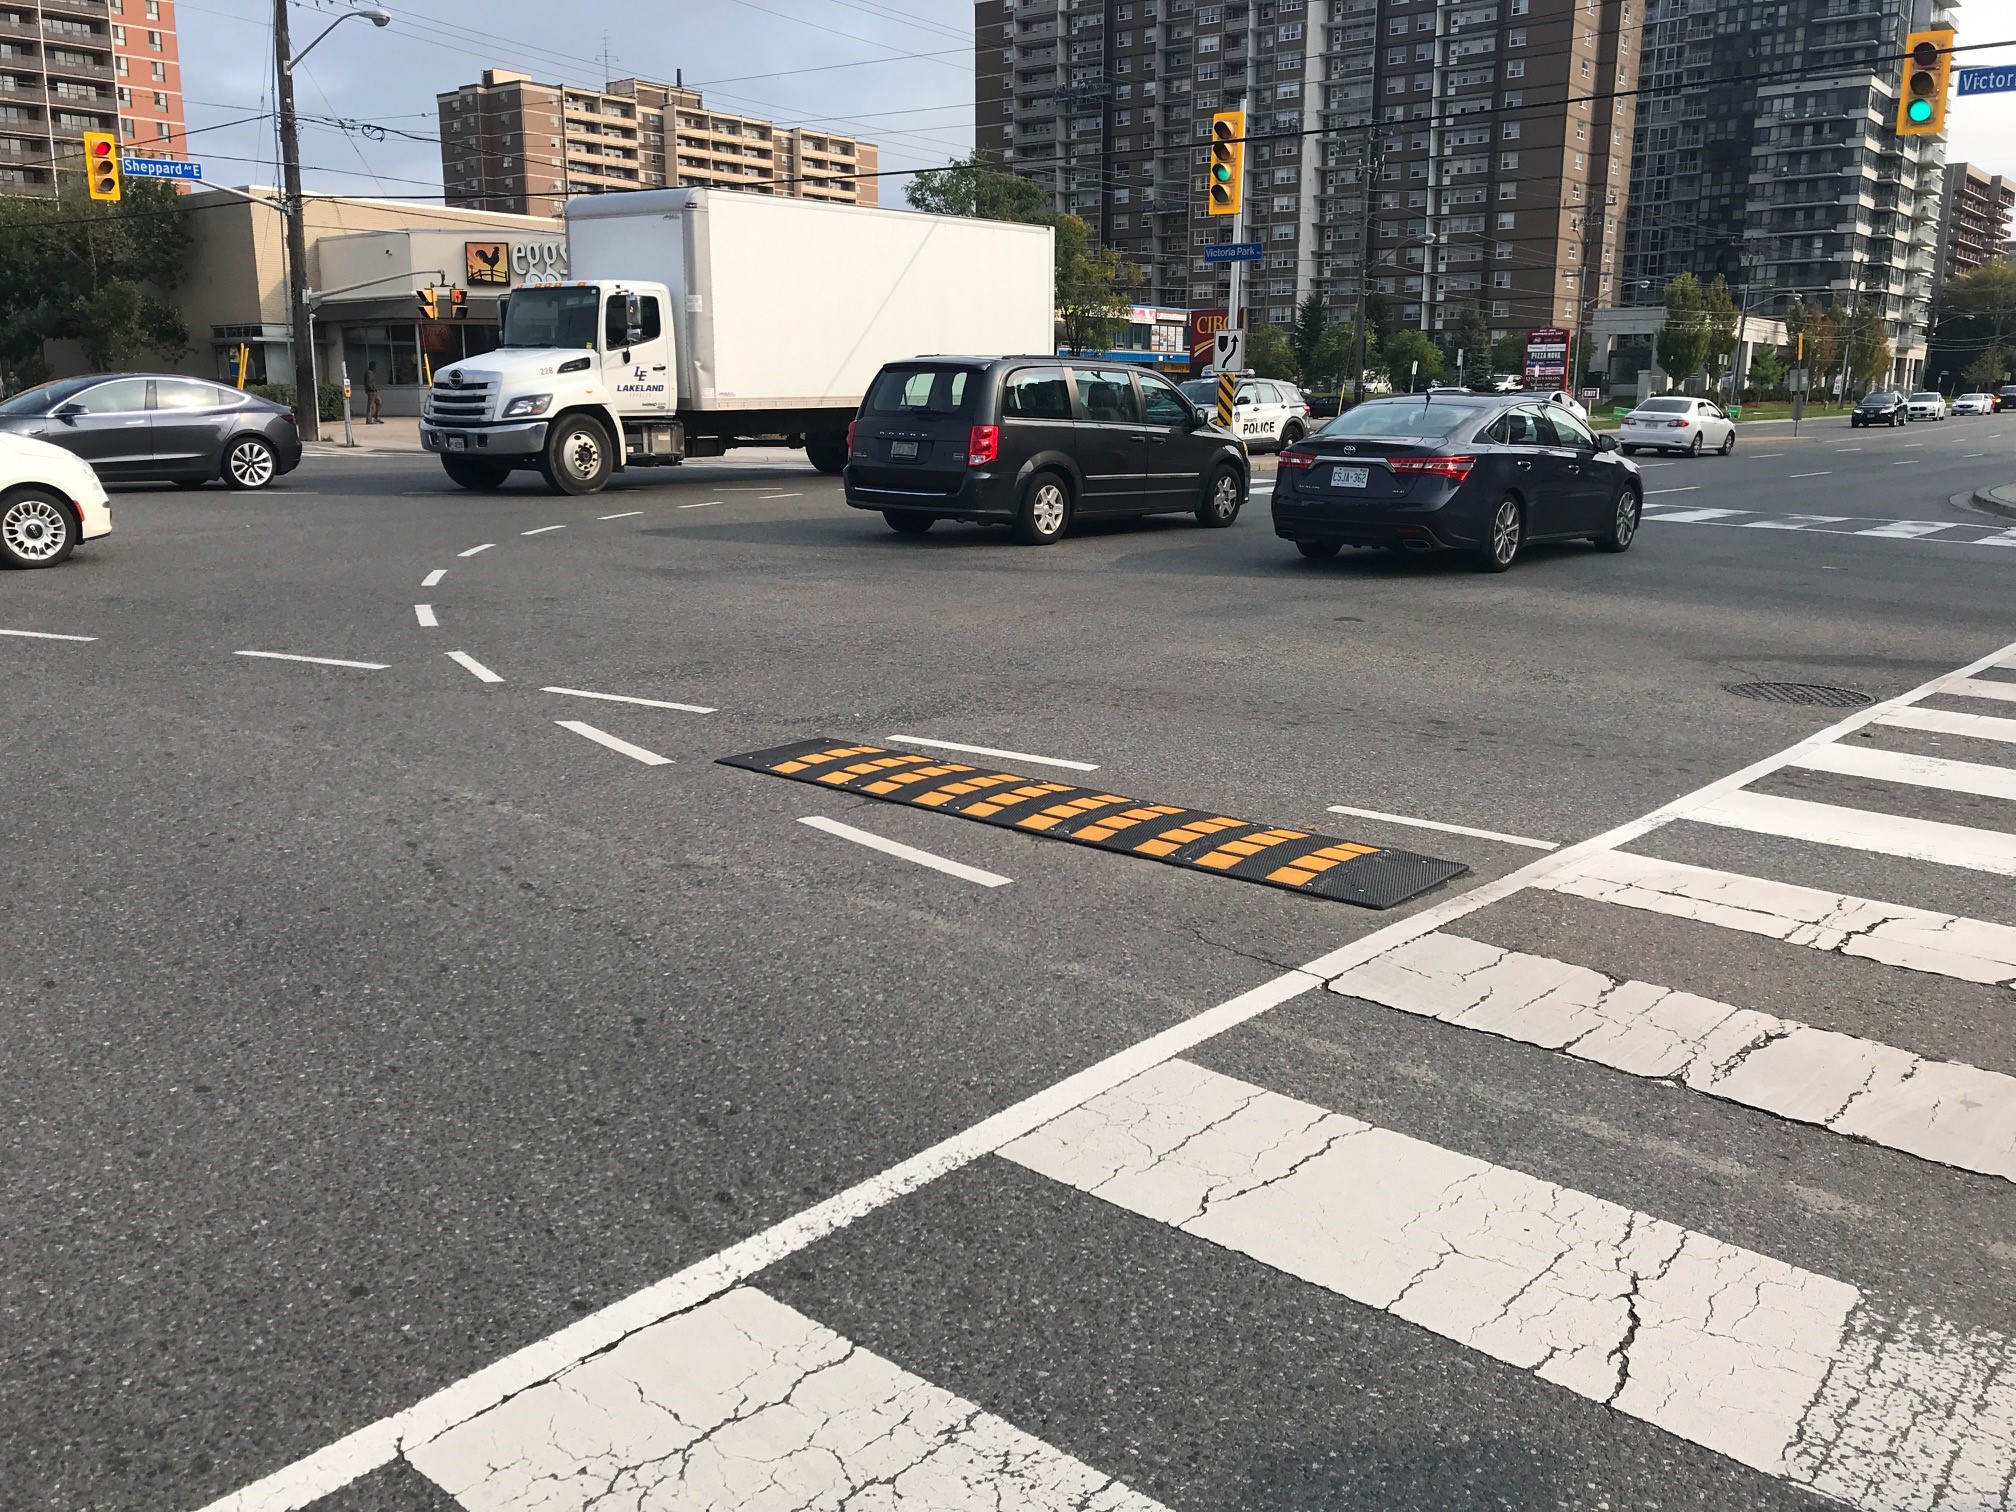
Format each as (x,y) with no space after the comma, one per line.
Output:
(1267,414)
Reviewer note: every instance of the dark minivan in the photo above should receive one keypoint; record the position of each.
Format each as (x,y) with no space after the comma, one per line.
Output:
(1036,443)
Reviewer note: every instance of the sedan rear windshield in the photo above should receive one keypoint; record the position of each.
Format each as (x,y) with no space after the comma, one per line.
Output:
(1402,420)
(1665,407)
(920,391)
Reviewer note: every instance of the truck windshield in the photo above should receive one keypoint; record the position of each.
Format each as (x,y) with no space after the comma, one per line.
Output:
(551,318)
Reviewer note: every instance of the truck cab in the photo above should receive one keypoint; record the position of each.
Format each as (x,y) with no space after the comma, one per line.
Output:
(581,384)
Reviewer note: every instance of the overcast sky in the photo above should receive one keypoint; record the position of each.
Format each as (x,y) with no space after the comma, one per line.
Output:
(850,65)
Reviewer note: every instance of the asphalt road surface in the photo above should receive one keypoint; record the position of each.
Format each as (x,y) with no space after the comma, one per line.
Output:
(432,1079)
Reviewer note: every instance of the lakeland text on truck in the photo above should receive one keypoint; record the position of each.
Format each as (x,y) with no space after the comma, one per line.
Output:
(700,319)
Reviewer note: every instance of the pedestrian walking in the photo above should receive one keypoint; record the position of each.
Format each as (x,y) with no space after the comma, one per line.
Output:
(373,404)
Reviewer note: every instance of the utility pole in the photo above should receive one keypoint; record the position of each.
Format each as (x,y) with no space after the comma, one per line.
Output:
(1368,177)
(307,408)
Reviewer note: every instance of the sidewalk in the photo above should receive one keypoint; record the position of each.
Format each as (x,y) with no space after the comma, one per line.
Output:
(2000,500)
(398,433)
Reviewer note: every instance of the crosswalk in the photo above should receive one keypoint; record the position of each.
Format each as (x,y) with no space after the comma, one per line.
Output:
(1946,532)
(718,1394)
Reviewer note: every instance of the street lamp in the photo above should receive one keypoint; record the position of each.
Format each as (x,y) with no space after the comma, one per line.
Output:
(307,401)
(1585,305)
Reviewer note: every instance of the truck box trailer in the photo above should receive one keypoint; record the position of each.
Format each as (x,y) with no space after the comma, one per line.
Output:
(699,319)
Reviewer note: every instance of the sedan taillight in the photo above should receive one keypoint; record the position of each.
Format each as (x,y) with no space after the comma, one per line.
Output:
(1455,468)
(1295,461)
(1677,424)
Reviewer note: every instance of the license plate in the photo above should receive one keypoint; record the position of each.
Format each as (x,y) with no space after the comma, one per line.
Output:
(1349,477)
(903,451)
(457,443)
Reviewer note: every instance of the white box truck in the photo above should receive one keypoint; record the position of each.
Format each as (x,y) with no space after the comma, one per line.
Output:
(694,320)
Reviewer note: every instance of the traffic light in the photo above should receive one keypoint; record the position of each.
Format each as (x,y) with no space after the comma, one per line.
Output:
(1921,103)
(458,304)
(1228,162)
(430,304)
(101,166)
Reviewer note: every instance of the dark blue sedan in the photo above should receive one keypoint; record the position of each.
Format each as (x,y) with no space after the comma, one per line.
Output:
(1482,473)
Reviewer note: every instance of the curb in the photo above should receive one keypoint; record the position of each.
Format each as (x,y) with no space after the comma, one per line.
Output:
(2000,499)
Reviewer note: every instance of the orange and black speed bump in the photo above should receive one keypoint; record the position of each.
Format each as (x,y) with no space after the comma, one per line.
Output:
(1195,838)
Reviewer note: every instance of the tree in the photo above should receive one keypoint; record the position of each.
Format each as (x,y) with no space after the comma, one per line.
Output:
(1508,353)
(1467,333)
(1719,315)
(1306,336)
(1823,344)
(97,274)
(1269,352)
(969,187)
(1869,349)
(1683,339)
(1974,315)
(1990,369)
(1767,370)
(1403,351)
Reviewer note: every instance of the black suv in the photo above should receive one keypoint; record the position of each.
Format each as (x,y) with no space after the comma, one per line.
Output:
(1881,407)
(1036,443)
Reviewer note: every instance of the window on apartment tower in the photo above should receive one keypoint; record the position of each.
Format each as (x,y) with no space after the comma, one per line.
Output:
(126,127)
(119,36)
(153,10)
(161,130)
(154,41)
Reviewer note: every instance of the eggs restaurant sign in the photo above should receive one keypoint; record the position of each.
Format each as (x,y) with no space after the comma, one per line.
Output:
(497,265)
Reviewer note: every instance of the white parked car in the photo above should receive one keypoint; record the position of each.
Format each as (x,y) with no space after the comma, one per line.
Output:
(1927,405)
(1568,402)
(1266,412)
(50,499)
(1974,404)
(1678,424)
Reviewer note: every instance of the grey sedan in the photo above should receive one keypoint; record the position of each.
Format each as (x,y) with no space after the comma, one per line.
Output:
(162,427)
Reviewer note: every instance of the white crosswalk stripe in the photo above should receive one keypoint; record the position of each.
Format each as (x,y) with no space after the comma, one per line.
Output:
(1863,829)
(1942,532)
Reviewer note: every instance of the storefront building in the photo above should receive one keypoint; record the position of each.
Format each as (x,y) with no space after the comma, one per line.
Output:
(369,262)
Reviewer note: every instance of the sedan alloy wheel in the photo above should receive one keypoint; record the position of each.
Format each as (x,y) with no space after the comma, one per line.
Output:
(249,463)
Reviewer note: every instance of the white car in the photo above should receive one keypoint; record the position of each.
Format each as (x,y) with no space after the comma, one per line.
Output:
(1678,424)
(50,499)
(1974,404)
(1927,405)
(1568,402)
(1266,412)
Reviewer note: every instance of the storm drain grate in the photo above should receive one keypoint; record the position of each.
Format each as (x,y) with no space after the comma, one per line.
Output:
(1799,693)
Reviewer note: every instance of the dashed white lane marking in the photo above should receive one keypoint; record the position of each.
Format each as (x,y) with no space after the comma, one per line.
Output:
(1914,771)
(1862,829)
(614,742)
(974,750)
(781,496)
(625,515)
(1765,456)
(542,530)
(745,1402)
(624,698)
(474,549)
(907,852)
(47,635)
(319,661)
(472,666)
(1690,488)
(1943,1111)
(1688,516)
(1917,939)
(1847,448)
(1981,687)
(433,577)
(1813,475)
(425,614)
(708,504)
(1949,722)
(1447,829)
(296,1485)
(1787,1371)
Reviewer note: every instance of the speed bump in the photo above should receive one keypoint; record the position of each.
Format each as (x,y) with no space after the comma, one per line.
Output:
(1297,860)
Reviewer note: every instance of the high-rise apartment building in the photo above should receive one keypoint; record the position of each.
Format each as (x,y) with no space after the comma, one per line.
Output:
(1477,148)
(511,144)
(1766,154)
(148,77)
(1973,219)
(72,66)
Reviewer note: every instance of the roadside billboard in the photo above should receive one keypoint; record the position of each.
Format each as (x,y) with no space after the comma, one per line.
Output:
(1547,358)
(1204,326)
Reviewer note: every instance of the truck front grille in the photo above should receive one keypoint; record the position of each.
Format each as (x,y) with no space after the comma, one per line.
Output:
(469,400)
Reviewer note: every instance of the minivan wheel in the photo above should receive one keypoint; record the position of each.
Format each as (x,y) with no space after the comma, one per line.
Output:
(1508,532)
(249,463)
(1318,551)
(1045,512)
(36,528)
(1221,499)
(1623,522)
(576,459)
(908,522)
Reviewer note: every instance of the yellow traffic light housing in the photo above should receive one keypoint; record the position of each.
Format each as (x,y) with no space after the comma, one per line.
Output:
(1228,163)
(430,304)
(102,179)
(1921,101)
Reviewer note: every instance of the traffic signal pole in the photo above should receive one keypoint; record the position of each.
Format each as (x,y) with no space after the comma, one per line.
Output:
(307,403)
(1235,290)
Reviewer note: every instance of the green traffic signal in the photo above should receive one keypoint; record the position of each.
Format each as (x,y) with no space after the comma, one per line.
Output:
(1919,111)
(1221,173)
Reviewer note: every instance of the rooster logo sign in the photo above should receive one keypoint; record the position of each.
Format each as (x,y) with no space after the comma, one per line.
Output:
(486,262)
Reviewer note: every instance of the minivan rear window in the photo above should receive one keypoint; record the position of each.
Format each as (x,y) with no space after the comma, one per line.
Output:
(919,391)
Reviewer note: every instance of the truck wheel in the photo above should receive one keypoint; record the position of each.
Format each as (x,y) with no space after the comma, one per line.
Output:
(827,453)
(474,472)
(576,459)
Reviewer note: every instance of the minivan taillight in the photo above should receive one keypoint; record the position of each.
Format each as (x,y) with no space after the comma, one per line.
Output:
(983,446)
(850,434)
(1295,461)
(1456,468)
